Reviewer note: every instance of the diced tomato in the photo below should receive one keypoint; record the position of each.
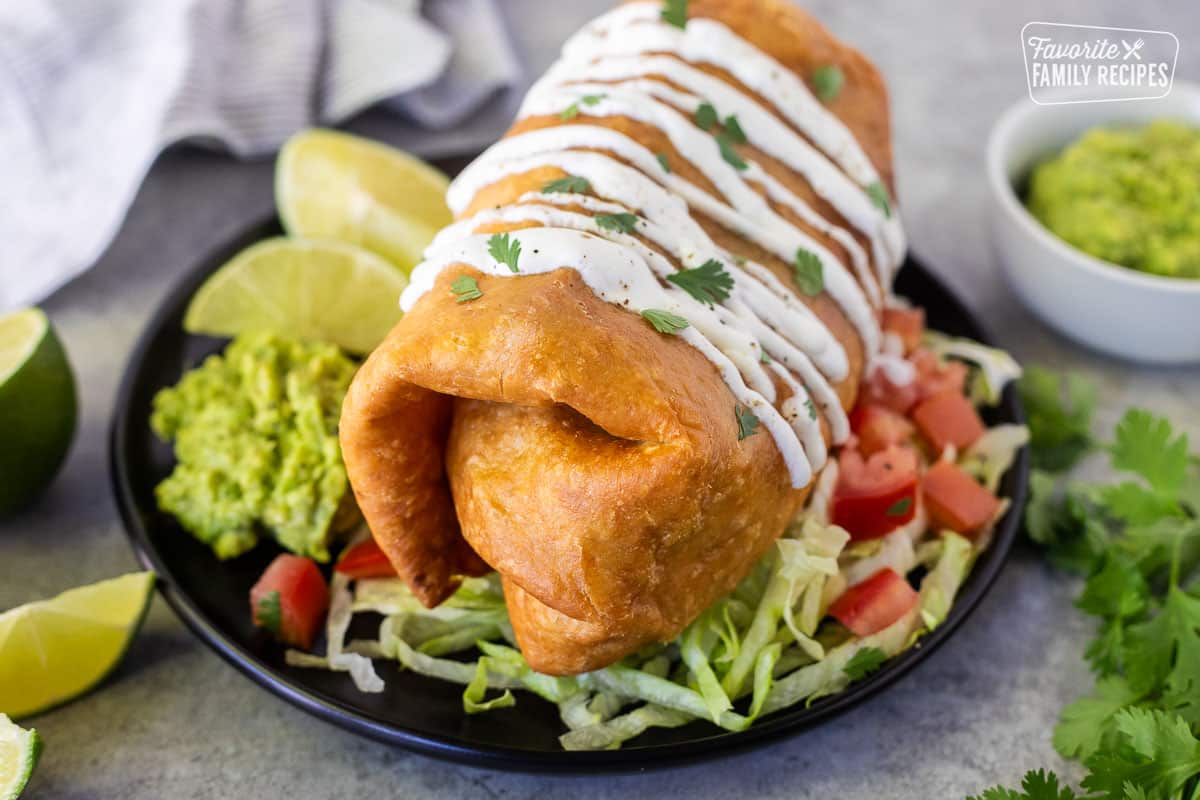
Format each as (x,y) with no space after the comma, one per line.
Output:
(948,419)
(935,377)
(880,391)
(290,600)
(955,500)
(878,427)
(876,495)
(365,560)
(874,604)
(906,323)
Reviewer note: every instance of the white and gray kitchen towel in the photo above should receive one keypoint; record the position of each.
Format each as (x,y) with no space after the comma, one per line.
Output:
(91,91)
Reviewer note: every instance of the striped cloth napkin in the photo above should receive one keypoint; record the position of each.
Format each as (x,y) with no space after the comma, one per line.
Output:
(91,92)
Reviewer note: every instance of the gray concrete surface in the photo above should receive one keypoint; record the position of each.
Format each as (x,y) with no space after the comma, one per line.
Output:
(176,721)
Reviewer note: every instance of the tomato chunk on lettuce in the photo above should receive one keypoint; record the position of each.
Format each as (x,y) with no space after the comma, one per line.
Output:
(875,494)
(956,501)
(290,600)
(869,607)
(365,560)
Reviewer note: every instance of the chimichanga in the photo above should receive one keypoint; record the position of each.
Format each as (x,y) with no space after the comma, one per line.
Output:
(620,369)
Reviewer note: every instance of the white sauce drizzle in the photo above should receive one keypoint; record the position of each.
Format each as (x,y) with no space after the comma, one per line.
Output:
(761,315)
(766,132)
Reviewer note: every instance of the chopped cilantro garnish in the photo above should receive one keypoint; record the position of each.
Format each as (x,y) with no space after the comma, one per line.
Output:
(572,184)
(664,321)
(747,422)
(708,283)
(625,223)
(827,81)
(728,153)
(706,116)
(763,356)
(734,129)
(572,111)
(505,250)
(812,409)
(808,272)
(466,288)
(674,12)
(864,662)
(663,162)
(879,196)
(900,507)
(269,613)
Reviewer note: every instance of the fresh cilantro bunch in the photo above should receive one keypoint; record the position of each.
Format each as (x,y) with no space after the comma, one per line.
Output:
(1137,541)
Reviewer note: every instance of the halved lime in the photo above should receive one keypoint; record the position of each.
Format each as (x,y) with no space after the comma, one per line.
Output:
(37,407)
(331,185)
(54,650)
(319,290)
(19,751)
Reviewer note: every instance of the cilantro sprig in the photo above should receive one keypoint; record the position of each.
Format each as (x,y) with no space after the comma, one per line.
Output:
(572,184)
(624,222)
(747,421)
(709,283)
(465,288)
(664,321)
(674,12)
(505,250)
(1137,542)
(808,272)
(864,662)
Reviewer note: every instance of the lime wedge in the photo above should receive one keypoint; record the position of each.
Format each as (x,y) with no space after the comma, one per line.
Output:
(37,407)
(331,185)
(19,751)
(54,650)
(318,290)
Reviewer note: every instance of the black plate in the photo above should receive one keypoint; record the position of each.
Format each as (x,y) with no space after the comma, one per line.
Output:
(414,711)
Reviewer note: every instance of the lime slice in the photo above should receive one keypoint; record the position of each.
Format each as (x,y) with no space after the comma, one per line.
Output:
(55,650)
(19,751)
(319,290)
(37,407)
(331,185)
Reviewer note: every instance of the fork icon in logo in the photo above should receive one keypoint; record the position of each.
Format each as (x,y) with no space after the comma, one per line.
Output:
(1132,49)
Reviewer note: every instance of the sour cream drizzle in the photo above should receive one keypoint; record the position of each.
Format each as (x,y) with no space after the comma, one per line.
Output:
(762,334)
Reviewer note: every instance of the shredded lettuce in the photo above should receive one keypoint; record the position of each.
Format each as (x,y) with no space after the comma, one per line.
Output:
(993,453)
(940,585)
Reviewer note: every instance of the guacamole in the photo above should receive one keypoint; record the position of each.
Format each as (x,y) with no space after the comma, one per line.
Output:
(1129,196)
(255,432)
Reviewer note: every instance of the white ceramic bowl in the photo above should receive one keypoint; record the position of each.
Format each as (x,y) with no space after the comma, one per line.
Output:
(1111,308)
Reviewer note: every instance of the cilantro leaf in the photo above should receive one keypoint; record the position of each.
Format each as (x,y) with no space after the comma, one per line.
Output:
(733,129)
(864,662)
(1156,752)
(1136,504)
(725,144)
(1085,722)
(708,283)
(268,613)
(879,196)
(674,12)
(706,116)
(664,162)
(828,81)
(900,507)
(664,321)
(624,222)
(808,272)
(1144,446)
(1165,650)
(572,184)
(505,250)
(747,422)
(1059,417)
(572,111)
(466,288)
(1036,785)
